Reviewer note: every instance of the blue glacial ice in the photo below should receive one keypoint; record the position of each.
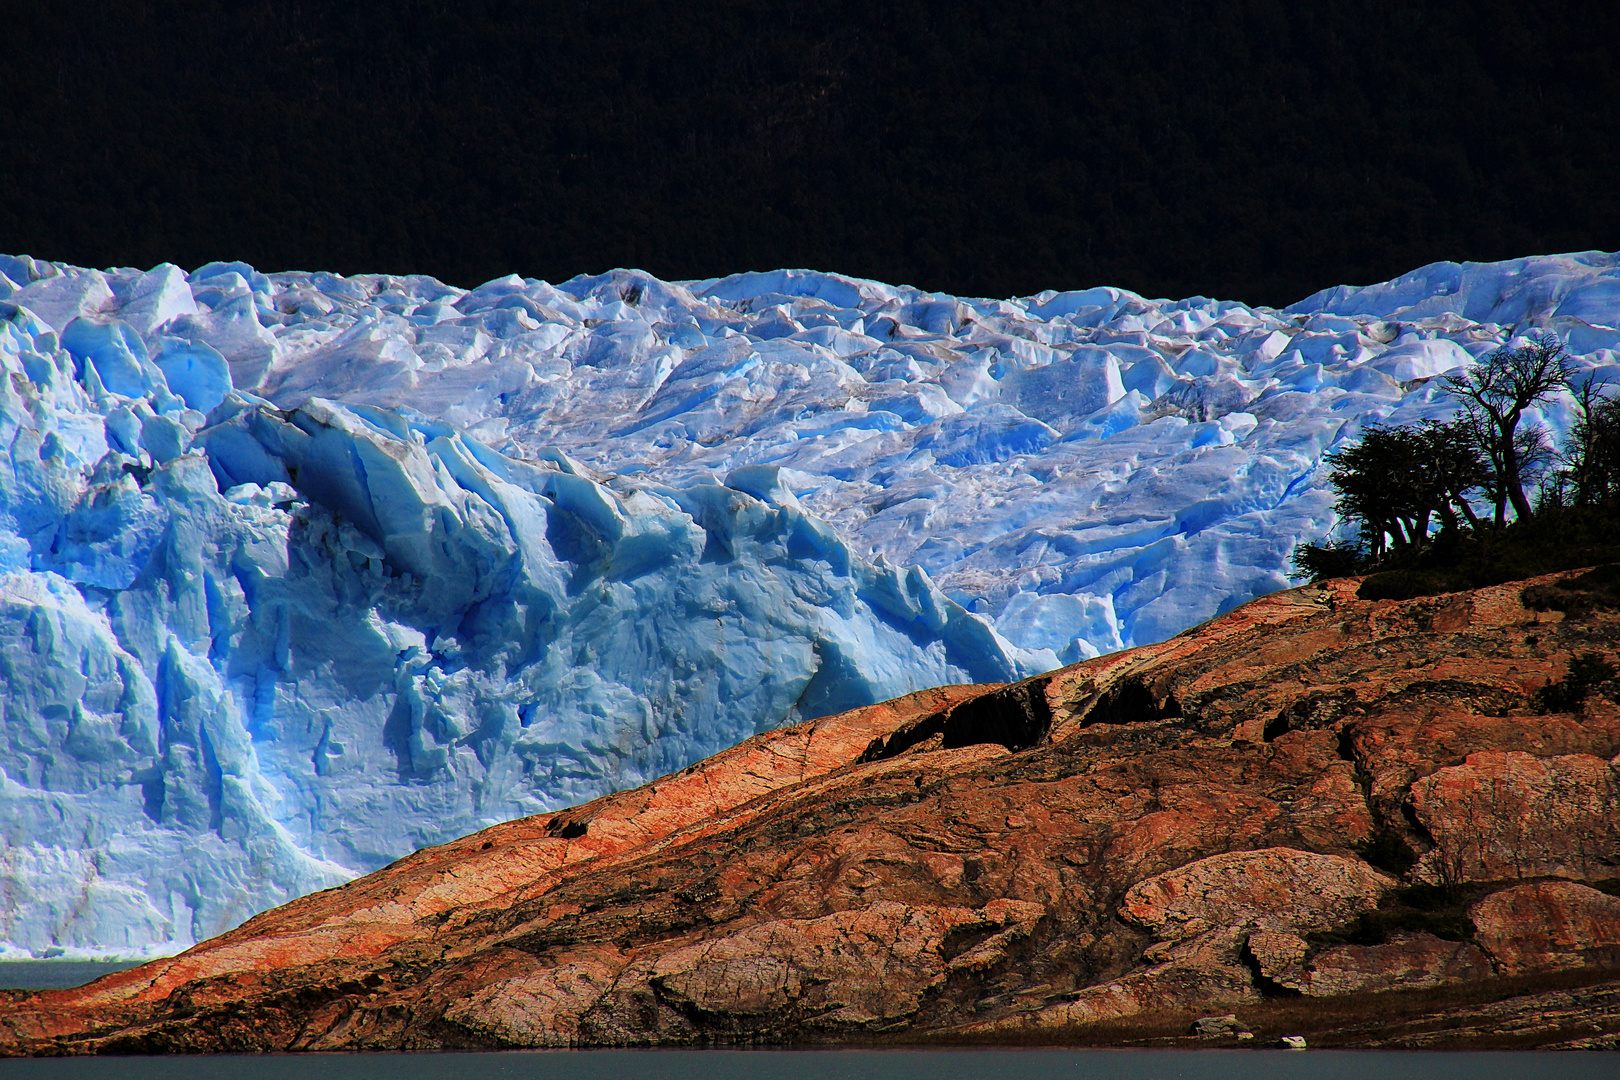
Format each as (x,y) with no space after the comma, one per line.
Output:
(301,572)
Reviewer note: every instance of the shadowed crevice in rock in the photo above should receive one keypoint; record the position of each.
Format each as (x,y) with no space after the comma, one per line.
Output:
(1269,988)
(1410,817)
(1016,717)
(564,829)
(1131,701)
(1389,850)
(1345,745)
(1310,713)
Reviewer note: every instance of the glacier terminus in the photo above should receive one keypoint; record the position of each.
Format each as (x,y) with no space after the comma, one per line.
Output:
(302,572)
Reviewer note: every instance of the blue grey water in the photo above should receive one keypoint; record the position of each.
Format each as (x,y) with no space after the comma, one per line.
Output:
(55,974)
(840,1065)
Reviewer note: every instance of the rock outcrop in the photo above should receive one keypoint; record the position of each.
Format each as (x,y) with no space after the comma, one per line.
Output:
(1312,799)
(1548,925)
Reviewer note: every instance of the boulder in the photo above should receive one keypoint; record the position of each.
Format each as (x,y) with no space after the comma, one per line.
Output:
(1275,888)
(1548,925)
(1217,1025)
(1508,814)
(1405,961)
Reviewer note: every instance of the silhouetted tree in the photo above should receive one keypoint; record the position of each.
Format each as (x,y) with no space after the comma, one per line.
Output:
(1532,454)
(1601,484)
(1591,459)
(1318,562)
(1589,462)
(1396,479)
(1494,394)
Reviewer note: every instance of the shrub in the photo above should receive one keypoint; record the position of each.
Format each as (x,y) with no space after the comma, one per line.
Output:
(1586,671)
(1319,562)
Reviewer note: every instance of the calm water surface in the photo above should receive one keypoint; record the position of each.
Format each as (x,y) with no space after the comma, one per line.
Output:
(842,1065)
(54,974)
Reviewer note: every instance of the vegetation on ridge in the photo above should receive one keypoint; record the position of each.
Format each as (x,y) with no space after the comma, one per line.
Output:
(1396,482)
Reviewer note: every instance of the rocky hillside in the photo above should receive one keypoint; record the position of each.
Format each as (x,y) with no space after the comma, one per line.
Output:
(1373,823)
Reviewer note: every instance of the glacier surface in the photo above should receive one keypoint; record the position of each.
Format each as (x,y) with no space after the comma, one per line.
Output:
(301,572)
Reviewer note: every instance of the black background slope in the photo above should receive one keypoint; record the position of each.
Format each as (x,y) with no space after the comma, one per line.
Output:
(1257,151)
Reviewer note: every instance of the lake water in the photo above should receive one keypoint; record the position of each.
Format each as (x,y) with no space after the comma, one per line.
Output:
(840,1065)
(53,974)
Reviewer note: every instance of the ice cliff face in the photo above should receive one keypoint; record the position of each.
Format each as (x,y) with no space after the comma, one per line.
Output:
(299,573)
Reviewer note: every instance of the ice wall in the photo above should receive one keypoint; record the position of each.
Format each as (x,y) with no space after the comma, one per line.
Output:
(299,572)
(249,653)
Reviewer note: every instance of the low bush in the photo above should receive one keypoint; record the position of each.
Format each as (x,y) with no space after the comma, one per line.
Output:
(1586,672)
(1558,539)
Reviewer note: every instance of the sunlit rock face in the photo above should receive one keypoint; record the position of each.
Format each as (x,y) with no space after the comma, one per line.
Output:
(299,573)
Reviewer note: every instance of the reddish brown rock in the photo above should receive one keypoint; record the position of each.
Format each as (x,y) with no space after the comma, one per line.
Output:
(1280,956)
(1405,961)
(1549,925)
(1166,828)
(1276,888)
(865,968)
(1188,974)
(1512,815)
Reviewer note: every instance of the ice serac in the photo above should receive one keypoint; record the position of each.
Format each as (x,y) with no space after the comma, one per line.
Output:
(252,652)
(310,571)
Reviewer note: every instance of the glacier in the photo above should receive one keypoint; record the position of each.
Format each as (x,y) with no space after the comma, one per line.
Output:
(301,572)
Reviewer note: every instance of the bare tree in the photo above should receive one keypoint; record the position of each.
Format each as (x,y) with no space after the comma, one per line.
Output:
(1494,394)
(1589,458)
